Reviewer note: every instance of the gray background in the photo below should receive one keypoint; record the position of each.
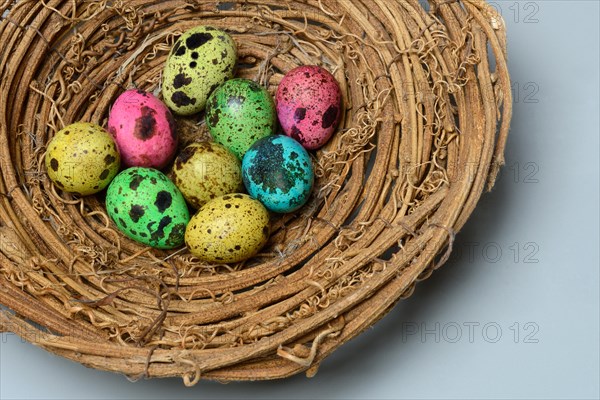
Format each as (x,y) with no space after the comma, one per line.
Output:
(514,314)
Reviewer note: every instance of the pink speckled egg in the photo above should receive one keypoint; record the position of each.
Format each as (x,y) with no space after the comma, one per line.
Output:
(144,130)
(309,105)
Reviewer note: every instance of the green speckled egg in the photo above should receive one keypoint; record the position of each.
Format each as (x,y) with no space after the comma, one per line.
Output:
(229,229)
(82,159)
(239,113)
(205,171)
(148,208)
(202,59)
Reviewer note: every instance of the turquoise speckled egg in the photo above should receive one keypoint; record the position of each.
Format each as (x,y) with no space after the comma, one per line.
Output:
(201,60)
(279,173)
(239,113)
(148,208)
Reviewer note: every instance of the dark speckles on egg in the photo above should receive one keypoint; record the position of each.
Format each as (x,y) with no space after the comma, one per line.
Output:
(181,99)
(179,49)
(278,171)
(198,39)
(204,171)
(224,234)
(54,164)
(208,61)
(296,134)
(145,126)
(104,174)
(163,201)
(181,80)
(309,101)
(330,117)
(177,235)
(240,112)
(159,233)
(136,181)
(109,159)
(184,156)
(300,114)
(143,129)
(156,210)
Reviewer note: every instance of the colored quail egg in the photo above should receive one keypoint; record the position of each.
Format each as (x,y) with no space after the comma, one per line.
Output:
(82,159)
(229,229)
(202,59)
(278,172)
(147,207)
(309,105)
(205,171)
(144,130)
(239,113)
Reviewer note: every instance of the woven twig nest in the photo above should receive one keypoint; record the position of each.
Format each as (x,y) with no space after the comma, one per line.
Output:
(428,106)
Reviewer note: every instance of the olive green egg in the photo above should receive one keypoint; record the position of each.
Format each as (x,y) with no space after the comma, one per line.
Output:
(205,171)
(229,229)
(148,208)
(239,113)
(82,159)
(201,59)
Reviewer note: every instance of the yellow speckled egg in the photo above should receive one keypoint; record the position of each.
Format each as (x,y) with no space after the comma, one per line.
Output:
(202,59)
(229,229)
(82,159)
(205,171)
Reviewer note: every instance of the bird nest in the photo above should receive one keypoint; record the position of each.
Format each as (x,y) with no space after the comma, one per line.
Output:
(427,109)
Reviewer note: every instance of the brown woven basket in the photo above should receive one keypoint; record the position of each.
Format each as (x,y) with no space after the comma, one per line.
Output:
(428,106)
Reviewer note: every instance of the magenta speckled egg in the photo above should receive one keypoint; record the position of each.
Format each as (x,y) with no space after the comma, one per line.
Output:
(144,130)
(309,105)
